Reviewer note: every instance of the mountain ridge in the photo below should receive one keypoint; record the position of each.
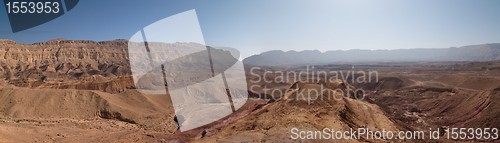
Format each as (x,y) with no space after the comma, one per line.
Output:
(482,52)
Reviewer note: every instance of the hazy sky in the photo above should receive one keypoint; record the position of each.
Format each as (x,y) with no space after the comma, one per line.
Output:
(255,26)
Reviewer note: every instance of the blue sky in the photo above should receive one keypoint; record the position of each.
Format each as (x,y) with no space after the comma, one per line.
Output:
(255,26)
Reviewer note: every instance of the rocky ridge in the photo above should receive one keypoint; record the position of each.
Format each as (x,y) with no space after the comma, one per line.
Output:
(63,63)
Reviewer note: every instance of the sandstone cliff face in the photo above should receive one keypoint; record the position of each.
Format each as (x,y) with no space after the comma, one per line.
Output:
(63,63)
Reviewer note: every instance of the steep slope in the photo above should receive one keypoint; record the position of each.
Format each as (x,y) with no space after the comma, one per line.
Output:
(275,121)
(61,115)
(61,61)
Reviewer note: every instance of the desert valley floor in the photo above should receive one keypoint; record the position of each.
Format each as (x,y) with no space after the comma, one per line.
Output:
(408,96)
(81,91)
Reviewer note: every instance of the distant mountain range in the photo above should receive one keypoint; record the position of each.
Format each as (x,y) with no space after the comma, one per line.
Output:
(484,52)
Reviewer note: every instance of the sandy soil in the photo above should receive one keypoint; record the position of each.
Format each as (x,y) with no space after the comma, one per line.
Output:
(408,96)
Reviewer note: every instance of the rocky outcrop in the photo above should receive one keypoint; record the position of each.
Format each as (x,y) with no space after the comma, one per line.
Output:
(68,62)
(307,111)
